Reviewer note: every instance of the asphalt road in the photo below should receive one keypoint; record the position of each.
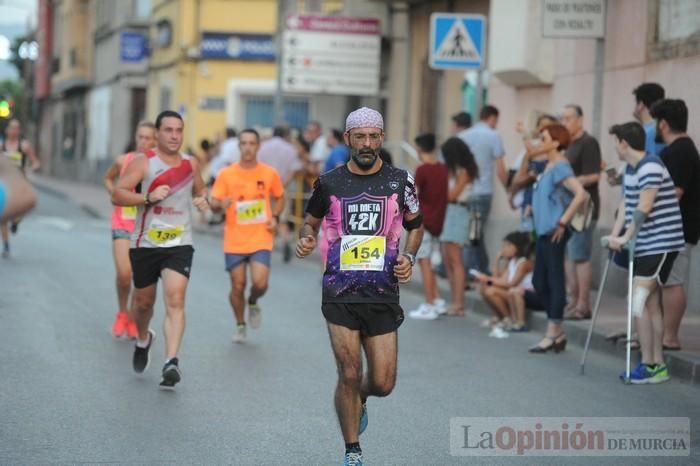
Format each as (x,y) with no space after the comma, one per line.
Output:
(68,394)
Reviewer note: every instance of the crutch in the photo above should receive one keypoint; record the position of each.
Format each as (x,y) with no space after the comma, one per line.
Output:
(630,285)
(604,243)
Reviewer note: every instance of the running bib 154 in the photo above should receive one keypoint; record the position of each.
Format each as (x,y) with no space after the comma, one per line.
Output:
(165,235)
(250,212)
(129,213)
(362,252)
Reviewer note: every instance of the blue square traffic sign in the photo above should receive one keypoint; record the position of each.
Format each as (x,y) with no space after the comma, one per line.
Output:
(457,41)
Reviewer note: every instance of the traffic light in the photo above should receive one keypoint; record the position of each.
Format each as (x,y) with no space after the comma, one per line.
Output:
(5,108)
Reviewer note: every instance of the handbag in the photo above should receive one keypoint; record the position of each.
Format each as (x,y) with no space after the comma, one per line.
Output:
(583,216)
(474,237)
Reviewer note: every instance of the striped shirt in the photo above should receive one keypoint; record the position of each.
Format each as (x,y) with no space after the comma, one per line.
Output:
(662,231)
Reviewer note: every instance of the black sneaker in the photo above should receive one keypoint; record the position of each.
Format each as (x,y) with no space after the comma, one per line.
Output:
(142,356)
(171,374)
(13,227)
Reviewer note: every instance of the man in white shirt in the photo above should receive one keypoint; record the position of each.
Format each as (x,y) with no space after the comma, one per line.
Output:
(319,147)
(228,153)
(281,155)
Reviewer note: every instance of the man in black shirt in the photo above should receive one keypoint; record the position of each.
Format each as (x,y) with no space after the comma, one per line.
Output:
(584,156)
(366,205)
(683,163)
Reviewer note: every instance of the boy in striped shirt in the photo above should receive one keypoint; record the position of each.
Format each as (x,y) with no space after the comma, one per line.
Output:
(654,228)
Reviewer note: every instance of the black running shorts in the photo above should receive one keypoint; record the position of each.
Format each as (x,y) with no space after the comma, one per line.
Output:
(371,319)
(655,267)
(147,263)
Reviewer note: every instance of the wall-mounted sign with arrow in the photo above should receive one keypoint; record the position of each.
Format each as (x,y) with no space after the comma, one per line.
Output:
(331,55)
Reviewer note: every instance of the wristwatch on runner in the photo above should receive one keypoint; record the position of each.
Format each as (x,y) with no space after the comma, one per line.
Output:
(411,258)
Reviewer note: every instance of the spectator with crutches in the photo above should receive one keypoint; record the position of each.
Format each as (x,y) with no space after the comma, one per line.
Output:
(654,233)
(557,197)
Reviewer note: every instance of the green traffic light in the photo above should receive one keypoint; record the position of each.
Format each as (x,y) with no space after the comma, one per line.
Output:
(4,109)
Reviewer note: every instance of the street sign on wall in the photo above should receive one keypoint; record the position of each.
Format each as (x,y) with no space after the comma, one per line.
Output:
(331,55)
(576,19)
(457,41)
(234,46)
(133,47)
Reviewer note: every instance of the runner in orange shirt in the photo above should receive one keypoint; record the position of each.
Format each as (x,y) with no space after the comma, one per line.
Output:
(252,195)
(123,220)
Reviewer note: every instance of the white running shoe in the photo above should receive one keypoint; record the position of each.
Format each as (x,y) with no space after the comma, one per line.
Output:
(424,312)
(499,333)
(440,306)
(254,315)
(240,335)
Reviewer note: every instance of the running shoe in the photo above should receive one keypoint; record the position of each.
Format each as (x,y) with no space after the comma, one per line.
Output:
(240,334)
(6,251)
(120,323)
(660,374)
(364,418)
(440,306)
(132,331)
(13,227)
(518,327)
(642,374)
(424,312)
(353,458)
(254,315)
(142,356)
(171,374)
(498,332)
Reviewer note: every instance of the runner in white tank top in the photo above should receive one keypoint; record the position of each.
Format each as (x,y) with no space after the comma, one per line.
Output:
(161,245)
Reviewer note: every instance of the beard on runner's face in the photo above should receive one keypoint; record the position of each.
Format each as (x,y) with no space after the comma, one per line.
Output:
(365,157)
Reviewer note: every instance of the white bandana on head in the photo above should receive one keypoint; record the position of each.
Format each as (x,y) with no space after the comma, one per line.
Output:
(364,117)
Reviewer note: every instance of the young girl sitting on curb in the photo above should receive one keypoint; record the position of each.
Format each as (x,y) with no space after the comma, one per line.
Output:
(517,274)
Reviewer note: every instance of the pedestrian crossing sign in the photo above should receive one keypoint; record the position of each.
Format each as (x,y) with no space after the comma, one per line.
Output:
(457,41)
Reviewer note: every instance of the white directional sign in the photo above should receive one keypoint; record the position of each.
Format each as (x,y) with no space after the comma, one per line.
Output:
(331,55)
(573,18)
(457,41)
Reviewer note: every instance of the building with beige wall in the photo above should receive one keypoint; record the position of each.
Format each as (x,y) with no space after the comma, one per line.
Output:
(197,66)
(63,135)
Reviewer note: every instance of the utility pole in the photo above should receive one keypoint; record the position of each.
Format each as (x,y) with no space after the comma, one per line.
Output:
(282,11)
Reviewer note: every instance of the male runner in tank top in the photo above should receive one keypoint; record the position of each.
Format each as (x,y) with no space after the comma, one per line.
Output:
(18,151)
(366,205)
(123,220)
(161,245)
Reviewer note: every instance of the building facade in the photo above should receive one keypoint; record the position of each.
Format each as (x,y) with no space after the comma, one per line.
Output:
(646,41)
(117,99)
(214,61)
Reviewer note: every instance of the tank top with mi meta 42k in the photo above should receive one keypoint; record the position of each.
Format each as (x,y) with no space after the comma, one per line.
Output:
(167,223)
